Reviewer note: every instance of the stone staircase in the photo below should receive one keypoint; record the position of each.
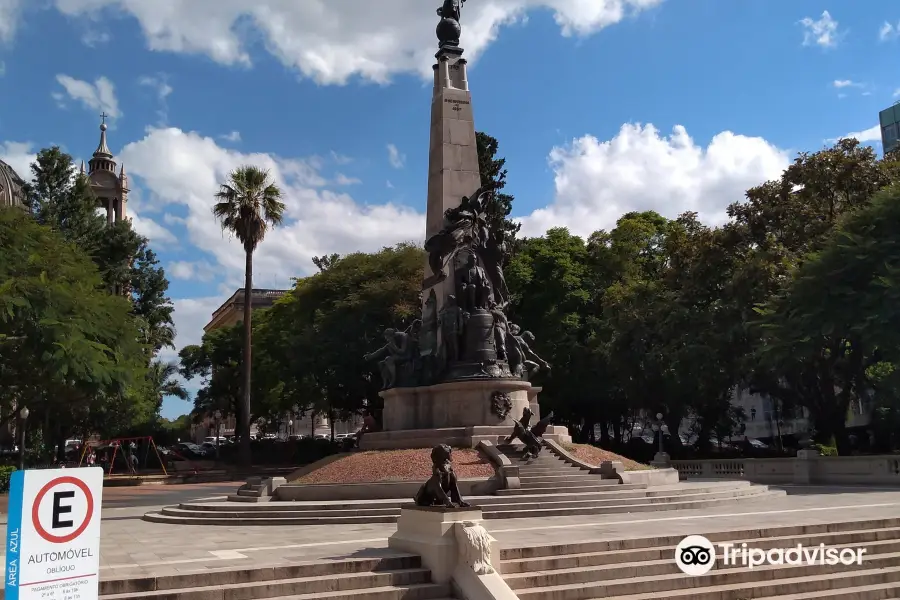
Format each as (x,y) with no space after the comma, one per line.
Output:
(550,487)
(394,577)
(548,473)
(645,569)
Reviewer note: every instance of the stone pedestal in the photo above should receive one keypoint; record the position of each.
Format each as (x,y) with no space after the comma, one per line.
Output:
(454,404)
(661,460)
(429,532)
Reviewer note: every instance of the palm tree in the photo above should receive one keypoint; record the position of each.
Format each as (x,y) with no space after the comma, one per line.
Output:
(248,203)
(163,382)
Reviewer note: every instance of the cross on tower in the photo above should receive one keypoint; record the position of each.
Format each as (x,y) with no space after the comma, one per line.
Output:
(103,116)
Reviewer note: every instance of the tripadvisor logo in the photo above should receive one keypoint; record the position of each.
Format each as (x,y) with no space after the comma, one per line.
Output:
(696,555)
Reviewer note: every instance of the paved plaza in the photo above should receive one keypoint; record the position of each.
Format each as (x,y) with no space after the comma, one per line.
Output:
(133,547)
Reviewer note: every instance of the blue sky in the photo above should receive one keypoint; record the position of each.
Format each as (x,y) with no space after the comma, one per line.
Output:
(600,107)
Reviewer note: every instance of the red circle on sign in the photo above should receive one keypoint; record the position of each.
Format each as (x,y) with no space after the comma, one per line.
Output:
(35,517)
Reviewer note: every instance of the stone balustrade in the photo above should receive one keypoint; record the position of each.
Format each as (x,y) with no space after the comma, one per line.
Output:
(807,468)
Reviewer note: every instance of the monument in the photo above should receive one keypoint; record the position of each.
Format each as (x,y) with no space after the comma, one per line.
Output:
(462,368)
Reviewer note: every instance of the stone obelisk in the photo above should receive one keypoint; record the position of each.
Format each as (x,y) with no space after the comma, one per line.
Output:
(453,155)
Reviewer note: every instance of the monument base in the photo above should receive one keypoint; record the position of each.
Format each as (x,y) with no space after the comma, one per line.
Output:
(466,403)
(457,437)
(458,413)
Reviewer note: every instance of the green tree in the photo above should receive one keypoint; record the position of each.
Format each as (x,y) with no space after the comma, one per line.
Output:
(775,231)
(162,382)
(493,174)
(317,336)
(248,204)
(64,201)
(837,317)
(68,346)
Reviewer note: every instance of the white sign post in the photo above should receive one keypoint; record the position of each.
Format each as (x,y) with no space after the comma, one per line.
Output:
(53,534)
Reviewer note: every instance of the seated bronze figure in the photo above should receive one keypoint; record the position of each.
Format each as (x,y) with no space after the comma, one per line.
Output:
(441,489)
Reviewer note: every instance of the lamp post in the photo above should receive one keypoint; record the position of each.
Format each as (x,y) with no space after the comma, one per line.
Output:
(661,459)
(290,428)
(23,417)
(218,417)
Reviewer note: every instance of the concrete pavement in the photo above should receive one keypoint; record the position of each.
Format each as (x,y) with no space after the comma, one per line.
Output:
(131,547)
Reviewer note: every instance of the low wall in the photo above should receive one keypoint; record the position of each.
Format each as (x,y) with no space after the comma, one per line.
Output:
(387,490)
(806,468)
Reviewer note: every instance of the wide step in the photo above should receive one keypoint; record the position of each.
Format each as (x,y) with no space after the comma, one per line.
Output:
(645,569)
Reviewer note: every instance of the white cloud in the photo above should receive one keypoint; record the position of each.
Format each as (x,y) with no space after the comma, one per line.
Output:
(19,156)
(872,134)
(340,159)
(93,38)
(187,270)
(396,159)
(159,83)
(234,136)
(597,181)
(844,83)
(151,230)
(185,169)
(389,185)
(889,31)
(100,95)
(897,93)
(823,32)
(334,40)
(10,12)
(341,179)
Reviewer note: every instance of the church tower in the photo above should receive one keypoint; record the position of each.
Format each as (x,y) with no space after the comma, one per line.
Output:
(110,189)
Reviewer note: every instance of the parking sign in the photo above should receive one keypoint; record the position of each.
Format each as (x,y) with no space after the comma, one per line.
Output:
(53,534)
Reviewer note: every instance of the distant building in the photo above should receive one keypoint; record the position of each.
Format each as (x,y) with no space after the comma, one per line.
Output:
(11,186)
(232,310)
(889,119)
(230,313)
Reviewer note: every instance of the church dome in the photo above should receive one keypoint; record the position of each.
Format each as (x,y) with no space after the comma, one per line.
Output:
(11,186)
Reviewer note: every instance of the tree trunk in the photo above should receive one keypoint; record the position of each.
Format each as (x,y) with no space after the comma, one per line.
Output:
(246,458)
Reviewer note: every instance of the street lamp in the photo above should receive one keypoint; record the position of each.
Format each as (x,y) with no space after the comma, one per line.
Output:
(290,427)
(23,417)
(661,459)
(218,417)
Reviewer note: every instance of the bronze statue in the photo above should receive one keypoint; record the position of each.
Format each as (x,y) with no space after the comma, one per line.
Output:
(448,29)
(501,330)
(475,285)
(533,362)
(451,9)
(452,321)
(394,353)
(530,437)
(492,258)
(523,361)
(441,489)
(464,227)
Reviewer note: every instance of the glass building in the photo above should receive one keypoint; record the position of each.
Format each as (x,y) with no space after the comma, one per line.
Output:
(889,119)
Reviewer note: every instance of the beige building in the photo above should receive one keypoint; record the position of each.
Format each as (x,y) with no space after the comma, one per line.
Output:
(232,310)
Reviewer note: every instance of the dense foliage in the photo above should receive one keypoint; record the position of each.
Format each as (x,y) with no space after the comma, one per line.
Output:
(790,298)
(84,313)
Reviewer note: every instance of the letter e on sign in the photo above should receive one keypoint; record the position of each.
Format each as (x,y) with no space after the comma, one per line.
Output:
(62,500)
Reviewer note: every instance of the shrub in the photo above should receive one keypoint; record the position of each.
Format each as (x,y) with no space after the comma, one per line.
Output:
(5,474)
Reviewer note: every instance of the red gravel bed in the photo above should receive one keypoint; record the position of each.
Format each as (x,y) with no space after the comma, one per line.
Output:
(396,465)
(594,456)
